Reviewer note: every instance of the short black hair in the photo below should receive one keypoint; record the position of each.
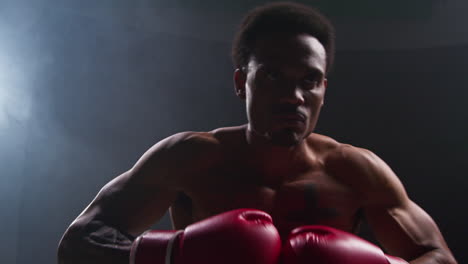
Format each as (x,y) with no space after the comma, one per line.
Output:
(282,17)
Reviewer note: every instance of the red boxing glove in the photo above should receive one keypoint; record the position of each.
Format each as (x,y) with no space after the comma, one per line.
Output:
(153,247)
(326,245)
(395,260)
(240,236)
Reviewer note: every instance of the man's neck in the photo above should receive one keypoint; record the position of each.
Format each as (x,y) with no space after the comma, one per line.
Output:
(275,159)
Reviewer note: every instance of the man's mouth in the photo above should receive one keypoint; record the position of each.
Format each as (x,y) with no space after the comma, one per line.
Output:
(295,120)
(293,117)
(289,116)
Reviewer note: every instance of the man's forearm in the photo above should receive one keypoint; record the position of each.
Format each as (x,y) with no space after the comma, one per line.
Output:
(436,256)
(95,243)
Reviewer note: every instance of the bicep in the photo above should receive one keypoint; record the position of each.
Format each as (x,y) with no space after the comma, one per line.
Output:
(128,204)
(181,211)
(136,199)
(400,225)
(405,230)
(122,210)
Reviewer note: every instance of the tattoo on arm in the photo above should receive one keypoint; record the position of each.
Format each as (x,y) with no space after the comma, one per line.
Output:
(106,236)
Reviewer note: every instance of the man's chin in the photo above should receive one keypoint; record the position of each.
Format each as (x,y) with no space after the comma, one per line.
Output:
(286,137)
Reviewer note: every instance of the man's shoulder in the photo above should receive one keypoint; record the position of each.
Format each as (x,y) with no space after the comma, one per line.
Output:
(229,134)
(188,142)
(193,138)
(341,157)
(349,158)
(201,142)
(362,169)
(322,144)
(354,158)
(335,151)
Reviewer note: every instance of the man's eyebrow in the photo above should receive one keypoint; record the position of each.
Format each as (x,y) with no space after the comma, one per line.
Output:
(315,71)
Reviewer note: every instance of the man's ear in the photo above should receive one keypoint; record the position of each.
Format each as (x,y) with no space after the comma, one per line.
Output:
(240,77)
(325,85)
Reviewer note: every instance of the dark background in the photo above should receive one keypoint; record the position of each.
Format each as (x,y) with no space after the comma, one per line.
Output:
(87,86)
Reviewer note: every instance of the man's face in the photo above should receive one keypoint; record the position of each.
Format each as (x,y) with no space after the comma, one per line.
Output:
(284,87)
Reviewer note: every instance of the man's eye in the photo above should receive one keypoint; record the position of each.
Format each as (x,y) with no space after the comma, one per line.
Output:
(310,82)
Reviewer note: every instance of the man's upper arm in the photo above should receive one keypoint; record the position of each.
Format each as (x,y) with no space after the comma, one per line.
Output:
(401,226)
(133,201)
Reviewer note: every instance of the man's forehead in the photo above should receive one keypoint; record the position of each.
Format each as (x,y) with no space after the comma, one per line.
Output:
(289,49)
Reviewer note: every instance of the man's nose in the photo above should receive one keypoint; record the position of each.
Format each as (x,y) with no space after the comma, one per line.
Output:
(292,95)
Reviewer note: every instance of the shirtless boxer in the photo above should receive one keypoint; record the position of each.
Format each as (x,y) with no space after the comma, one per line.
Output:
(275,163)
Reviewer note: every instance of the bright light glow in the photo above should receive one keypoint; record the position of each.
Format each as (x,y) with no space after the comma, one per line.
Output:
(15,99)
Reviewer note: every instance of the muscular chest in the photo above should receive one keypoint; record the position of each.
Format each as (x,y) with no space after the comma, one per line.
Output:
(308,198)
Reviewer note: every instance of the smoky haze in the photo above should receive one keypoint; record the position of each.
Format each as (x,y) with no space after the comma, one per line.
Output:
(87,86)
